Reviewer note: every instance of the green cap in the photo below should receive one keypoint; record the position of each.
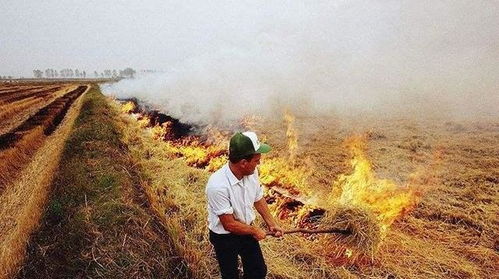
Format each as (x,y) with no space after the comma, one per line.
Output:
(247,143)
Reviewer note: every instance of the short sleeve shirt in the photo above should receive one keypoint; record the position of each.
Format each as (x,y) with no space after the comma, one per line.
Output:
(228,195)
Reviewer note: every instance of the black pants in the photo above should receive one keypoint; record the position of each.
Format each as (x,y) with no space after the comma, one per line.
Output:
(229,246)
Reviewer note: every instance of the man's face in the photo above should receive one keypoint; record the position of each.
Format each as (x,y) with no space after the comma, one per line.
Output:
(249,166)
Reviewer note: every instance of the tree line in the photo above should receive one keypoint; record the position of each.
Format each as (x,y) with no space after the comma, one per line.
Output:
(76,73)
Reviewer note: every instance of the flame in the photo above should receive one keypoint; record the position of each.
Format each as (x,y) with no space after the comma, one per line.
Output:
(196,154)
(210,153)
(160,131)
(128,107)
(216,163)
(277,172)
(284,183)
(291,134)
(286,187)
(362,188)
(293,209)
(348,253)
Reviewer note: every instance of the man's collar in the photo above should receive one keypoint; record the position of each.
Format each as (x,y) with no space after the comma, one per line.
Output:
(232,178)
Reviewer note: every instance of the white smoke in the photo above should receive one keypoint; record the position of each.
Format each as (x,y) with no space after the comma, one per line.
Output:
(319,57)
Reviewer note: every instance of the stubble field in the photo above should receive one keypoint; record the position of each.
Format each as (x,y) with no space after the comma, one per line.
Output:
(432,185)
(35,121)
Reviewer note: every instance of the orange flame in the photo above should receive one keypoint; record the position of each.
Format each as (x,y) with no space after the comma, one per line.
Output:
(196,154)
(288,185)
(362,188)
(288,182)
(277,172)
(291,134)
(348,253)
(160,131)
(127,107)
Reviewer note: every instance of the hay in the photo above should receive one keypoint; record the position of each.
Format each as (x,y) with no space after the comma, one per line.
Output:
(364,237)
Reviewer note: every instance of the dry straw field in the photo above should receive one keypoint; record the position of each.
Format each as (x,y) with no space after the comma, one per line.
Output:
(35,121)
(412,198)
(420,196)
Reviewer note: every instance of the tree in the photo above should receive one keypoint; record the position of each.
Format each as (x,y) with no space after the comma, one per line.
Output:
(50,73)
(84,74)
(96,75)
(129,72)
(37,73)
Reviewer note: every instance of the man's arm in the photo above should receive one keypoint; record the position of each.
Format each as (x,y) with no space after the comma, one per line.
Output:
(234,226)
(262,208)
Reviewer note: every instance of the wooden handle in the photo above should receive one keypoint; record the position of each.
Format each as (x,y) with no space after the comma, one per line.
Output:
(300,230)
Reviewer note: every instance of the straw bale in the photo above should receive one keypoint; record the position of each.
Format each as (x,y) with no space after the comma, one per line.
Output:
(364,237)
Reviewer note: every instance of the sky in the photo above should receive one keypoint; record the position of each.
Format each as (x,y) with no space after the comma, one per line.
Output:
(336,55)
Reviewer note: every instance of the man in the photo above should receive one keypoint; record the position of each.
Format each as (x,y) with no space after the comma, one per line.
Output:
(232,192)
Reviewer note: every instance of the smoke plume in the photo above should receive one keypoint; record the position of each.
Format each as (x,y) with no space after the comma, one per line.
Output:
(431,58)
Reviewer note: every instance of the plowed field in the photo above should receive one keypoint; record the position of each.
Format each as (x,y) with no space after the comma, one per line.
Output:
(34,123)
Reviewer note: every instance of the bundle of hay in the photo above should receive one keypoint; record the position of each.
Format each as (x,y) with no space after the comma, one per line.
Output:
(365,234)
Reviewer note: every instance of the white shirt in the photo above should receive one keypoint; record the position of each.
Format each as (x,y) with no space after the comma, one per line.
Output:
(228,195)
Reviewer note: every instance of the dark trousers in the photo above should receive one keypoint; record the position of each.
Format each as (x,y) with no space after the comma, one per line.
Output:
(229,246)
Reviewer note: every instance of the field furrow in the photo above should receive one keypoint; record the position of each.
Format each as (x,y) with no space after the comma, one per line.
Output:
(18,146)
(20,95)
(21,204)
(15,113)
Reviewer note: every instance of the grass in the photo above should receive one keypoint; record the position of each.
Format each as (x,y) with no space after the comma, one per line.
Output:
(97,223)
(176,193)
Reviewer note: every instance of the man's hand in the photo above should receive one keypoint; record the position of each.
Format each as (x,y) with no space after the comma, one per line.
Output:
(259,234)
(276,231)
(262,208)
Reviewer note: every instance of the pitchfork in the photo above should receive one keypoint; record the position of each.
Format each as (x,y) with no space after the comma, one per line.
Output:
(300,230)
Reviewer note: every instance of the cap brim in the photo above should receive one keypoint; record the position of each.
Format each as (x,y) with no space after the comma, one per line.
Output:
(264,148)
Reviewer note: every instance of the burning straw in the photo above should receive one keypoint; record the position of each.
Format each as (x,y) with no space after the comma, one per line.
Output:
(364,237)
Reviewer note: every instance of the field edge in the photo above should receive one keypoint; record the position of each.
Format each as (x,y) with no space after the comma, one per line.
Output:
(98,222)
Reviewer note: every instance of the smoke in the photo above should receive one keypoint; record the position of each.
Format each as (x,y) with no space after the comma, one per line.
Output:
(436,58)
